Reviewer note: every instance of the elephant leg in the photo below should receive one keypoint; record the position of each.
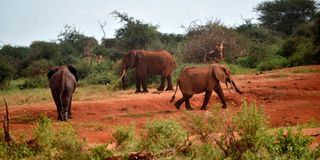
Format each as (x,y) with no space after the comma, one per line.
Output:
(66,99)
(169,79)
(179,102)
(219,92)
(69,109)
(57,101)
(144,84)
(161,87)
(187,98)
(138,84)
(206,100)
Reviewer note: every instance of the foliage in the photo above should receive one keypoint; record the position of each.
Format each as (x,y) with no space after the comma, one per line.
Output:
(135,34)
(123,135)
(201,39)
(272,62)
(162,135)
(285,15)
(37,82)
(6,71)
(293,145)
(300,51)
(100,152)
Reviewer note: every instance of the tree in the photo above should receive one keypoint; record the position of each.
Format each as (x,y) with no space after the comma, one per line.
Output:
(135,34)
(285,15)
(73,36)
(6,71)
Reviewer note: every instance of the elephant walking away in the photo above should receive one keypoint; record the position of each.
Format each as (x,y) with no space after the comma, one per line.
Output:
(62,81)
(195,80)
(154,62)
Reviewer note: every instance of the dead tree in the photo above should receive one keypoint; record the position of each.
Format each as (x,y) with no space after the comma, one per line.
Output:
(102,25)
(5,122)
(216,58)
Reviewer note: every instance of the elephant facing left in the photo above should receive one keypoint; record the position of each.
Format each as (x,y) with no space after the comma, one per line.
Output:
(62,82)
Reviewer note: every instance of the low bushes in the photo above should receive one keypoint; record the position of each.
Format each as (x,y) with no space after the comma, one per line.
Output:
(210,135)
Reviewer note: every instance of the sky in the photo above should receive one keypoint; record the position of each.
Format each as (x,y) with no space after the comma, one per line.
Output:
(24,21)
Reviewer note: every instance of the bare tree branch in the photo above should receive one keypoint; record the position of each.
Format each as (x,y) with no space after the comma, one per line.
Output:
(102,25)
(5,121)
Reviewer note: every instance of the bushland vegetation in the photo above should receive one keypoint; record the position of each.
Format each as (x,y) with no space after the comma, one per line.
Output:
(265,45)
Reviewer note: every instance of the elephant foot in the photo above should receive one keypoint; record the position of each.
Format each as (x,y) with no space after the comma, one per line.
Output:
(189,108)
(224,106)
(69,117)
(145,91)
(169,88)
(137,91)
(160,88)
(177,106)
(203,108)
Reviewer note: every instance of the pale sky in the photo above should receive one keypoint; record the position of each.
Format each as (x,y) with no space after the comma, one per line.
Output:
(24,21)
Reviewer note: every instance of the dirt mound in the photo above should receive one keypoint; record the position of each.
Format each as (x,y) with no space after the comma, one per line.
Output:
(288,96)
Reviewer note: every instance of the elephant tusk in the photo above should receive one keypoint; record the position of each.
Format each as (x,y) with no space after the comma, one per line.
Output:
(123,73)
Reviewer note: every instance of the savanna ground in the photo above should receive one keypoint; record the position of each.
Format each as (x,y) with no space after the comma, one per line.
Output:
(288,96)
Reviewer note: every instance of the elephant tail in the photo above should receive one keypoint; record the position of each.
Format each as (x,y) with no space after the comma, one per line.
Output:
(174,95)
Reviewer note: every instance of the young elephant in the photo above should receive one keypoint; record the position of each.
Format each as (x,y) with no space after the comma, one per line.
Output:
(194,80)
(63,81)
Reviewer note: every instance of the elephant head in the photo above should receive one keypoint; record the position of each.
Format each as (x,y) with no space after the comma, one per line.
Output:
(223,74)
(62,80)
(128,61)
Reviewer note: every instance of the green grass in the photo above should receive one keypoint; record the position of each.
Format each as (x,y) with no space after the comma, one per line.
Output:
(305,70)
(15,96)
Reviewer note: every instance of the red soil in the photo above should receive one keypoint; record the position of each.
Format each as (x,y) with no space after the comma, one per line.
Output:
(287,99)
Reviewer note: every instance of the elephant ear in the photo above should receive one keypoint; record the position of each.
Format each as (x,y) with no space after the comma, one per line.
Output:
(73,71)
(132,58)
(52,71)
(219,72)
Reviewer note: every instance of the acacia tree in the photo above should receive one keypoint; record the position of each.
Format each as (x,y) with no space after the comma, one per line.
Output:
(135,34)
(285,15)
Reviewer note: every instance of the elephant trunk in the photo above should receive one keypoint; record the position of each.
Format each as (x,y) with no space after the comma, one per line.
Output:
(233,85)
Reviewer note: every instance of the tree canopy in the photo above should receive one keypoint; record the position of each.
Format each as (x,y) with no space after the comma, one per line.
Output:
(285,15)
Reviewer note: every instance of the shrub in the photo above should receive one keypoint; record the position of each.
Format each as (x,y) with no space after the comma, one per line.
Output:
(293,145)
(100,152)
(6,71)
(37,82)
(273,62)
(161,135)
(123,135)
(247,61)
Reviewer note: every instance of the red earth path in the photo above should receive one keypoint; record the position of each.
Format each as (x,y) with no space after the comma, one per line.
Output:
(288,96)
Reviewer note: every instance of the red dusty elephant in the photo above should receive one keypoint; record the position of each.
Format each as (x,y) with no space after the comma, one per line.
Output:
(195,80)
(152,62)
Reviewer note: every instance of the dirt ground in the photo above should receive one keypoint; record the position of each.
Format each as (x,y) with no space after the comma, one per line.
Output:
(287,97)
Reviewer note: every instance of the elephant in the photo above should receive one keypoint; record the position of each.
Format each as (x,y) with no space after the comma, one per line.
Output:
(62,82)
(195,80)
(148,62)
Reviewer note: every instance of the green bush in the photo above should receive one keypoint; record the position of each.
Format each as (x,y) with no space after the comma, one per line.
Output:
(100,152)
(273,62)
(37,82)
(293,145)
(247,61)
(123,135)
(161,135)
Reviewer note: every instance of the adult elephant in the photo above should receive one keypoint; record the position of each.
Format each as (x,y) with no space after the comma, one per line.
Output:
(194,80)
(62,81)
(152,62)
